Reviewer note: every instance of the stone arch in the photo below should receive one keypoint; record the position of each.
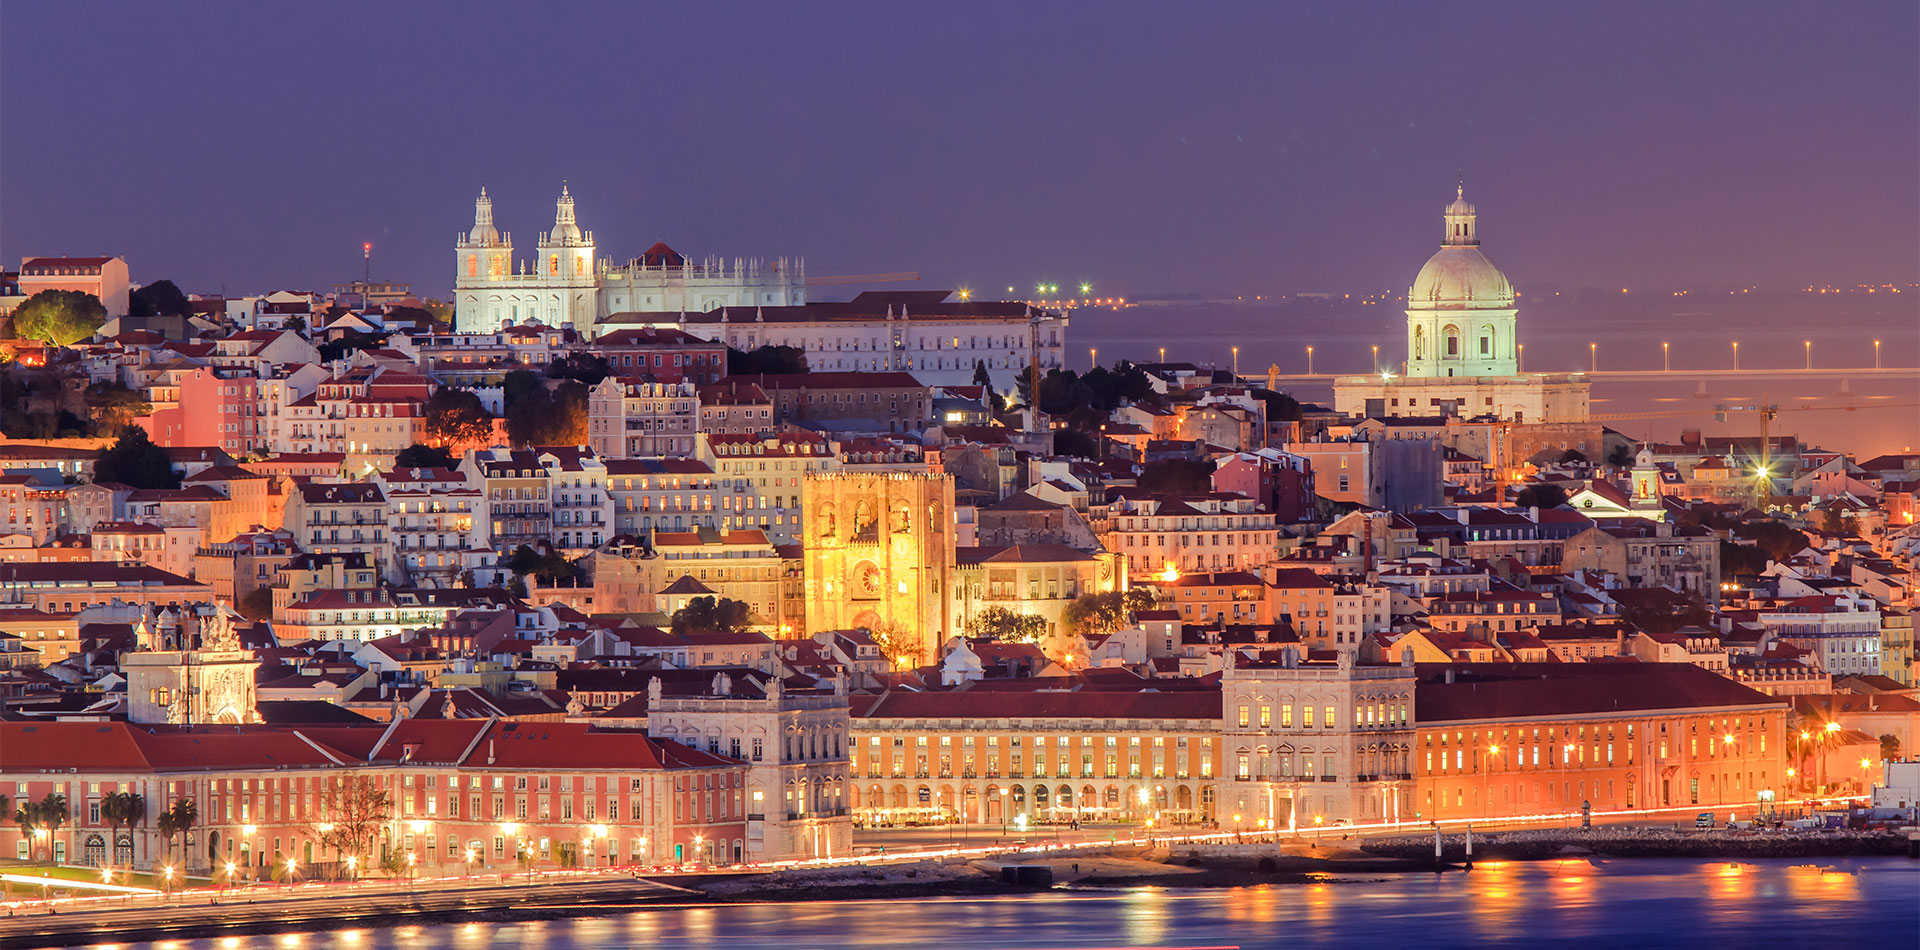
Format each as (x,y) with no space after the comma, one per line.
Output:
(94,851)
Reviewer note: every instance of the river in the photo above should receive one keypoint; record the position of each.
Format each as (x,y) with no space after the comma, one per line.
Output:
(1573,903)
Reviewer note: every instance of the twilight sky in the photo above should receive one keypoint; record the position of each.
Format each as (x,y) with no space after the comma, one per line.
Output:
(1146,147)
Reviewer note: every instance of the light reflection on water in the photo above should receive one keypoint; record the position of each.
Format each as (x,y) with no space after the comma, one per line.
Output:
(1573,902)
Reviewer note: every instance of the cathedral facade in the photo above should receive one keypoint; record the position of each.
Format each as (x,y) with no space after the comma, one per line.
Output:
(565,285)
(1462,345)
(879,551)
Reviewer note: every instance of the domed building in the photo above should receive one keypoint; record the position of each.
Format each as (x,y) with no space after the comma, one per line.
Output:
(1460,312)
(1462,350)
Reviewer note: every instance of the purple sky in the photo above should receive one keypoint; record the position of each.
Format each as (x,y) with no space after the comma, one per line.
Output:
(1146,147)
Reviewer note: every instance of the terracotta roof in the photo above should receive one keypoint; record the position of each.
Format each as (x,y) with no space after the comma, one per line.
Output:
(994,704)
(1534,690)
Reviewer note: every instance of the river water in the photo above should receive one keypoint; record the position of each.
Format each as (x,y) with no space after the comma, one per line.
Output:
(1572,903)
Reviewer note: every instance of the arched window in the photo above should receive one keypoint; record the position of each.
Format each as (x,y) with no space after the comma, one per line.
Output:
(1453,341)
(553,265)
(1419,343)
(473,265)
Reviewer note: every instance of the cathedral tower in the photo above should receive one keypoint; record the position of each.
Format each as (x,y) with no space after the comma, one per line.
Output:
(564,269)
(483,262)
(879,554)
(1460,310)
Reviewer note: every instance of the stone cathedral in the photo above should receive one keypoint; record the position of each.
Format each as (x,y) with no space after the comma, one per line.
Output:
(880,552)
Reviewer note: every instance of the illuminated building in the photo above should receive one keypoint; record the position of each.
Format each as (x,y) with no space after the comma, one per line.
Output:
(996,757)
(564,285)
(629,417)
(759,478)
(1518,739)
(1216,531)
(1034,579)
(103,277)
(1462,352)
(467,794)
(879,551)
(1311,743)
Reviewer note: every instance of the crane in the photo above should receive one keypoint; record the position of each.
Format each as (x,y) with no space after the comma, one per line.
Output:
(1767,411)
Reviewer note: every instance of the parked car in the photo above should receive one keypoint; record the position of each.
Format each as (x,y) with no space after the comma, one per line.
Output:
(1703,820)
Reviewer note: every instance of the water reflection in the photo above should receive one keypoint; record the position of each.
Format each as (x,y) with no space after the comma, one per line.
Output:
(1608,903)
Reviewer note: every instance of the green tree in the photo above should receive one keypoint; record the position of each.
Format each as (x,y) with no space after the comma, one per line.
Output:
(999,623)
(61,317)
(724,615)
(423,456)
(1105,612)
(134,460)
(297,325)
(180,817)
(1075,443)
(586,368)
(257,604)
(1779,540)
(544,416)
(158,299)
(351,810)
(114,406)
(552,568)
(1542,495)
(1660,610)
(399,313)
(455,415)
(777,360)
(1889,746)
(1573,457)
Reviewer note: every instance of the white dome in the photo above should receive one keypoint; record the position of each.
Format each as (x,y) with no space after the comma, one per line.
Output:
(1459,277)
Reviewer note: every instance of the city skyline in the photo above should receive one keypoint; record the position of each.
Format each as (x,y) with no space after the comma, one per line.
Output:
(1251,151)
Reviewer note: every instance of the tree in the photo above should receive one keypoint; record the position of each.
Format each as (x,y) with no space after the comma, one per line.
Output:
(1542,495)
(1780,540)
(999,623)
(567,855)
(349,344)
(1660,610)
(257,604)
(119,809)
(899,645)
(456,416)
(400,313)
(586,368)
(724,615)
(1832,521)
(180,818)
(60,317)
(158,299)
(539,415)
(1621,456)
(1105,612)
(1177,476)
(423,456)
(114,406)
(351,810)
(134,460)
(1280,406)
(1573,457)
(1075,443)
(1742,560)
(767,359)
(297,325)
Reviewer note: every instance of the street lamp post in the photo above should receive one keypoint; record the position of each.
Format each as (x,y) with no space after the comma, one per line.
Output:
(1519,362)
(1876,354)
(1093,356)
(1163,354)
(1309,360)
(1736,355)
(1666,363)
(1004,792)
(1809,347)
(1236,363)
(1376,356)
(1593,355)
(1486,790)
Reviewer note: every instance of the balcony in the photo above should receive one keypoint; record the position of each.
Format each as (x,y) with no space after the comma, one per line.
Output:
(1329,778)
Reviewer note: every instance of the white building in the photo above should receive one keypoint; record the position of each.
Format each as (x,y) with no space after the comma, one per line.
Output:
(942,341)
(1462,348)
(564,285)
(1842,631)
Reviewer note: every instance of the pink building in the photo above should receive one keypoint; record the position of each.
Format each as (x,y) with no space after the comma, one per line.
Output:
(212,410)
(1280,481)
(103,277)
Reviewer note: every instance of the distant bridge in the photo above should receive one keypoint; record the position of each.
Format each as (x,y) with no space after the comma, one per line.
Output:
(1677,375)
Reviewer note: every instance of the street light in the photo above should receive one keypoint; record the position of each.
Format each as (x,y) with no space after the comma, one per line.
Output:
(1876,354)
(1736,354)
(1163,354)
(1309,360)
(1520,361)
(1809,345)
(1593,355)
(1376,356)
(1666,365)
(1236,363)
(1093,356)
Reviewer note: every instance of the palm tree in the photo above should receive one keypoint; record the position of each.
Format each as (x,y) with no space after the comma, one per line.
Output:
(27,816)
(185,814)
(168,827)
(52,814)
(121,808)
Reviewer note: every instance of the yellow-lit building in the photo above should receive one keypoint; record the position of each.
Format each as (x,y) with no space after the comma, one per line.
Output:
(879,550)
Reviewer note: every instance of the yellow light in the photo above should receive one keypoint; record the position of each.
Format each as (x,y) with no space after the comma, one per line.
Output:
(1143,796)
(1170,573)
(510,827)
(1833,727)
(352,861)
(230,868)
(1864,763)
(1493,750)
(417,826)
(249,829)
(168,870)
(106,875)
(599,831)
(1803,734)
(1728,738)
(291,864)
(410,857)
(1317,819)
